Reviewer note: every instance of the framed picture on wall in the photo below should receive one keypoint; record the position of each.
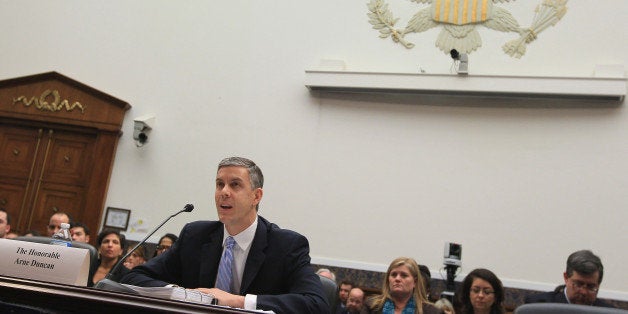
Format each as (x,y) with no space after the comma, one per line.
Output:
(117,218)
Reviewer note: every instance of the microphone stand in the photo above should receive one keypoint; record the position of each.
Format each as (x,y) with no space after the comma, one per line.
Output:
(110,282)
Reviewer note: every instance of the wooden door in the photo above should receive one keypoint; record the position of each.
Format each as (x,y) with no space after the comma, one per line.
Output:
(53,161)
(43,171)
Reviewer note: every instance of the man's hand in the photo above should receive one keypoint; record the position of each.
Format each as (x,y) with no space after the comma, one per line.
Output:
(224,298)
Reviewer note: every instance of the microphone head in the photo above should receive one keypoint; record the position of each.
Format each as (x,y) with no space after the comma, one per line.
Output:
(188,208)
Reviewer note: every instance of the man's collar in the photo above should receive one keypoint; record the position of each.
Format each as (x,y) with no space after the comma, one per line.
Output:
(244,238)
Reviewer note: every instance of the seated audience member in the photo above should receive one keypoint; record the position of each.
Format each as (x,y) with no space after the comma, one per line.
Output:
(402,290)
(481,292)
(343,294)
(583,277)
(445,306)
(32,233)
(5,223)
(165,242)
(355,302)
(55,222)
(79,232)
(138,257)
(326,273)
(244,260)
(111,245)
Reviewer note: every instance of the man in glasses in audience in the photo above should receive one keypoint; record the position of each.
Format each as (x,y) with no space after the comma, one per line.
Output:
(583,277)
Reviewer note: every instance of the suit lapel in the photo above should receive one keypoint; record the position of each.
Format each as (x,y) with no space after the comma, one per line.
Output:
(210,258)
(256,257)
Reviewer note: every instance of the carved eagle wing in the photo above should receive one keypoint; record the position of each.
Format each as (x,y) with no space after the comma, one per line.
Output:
(502,21)
(420,22)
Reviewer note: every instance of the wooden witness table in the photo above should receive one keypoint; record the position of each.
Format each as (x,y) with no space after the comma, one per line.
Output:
(59,298)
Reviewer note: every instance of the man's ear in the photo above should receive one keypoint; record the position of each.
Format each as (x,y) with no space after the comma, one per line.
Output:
(259,192)
(565,277)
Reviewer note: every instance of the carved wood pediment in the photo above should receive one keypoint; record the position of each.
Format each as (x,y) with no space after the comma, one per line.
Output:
(55,98)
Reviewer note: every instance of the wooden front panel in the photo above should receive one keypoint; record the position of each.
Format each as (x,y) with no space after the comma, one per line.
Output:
(69,158)
(11,200)
(52,198)
(19,148)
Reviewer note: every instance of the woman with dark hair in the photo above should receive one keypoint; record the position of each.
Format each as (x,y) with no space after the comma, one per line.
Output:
(137,257)
(403,291)
(111,246)
(481,292)
(165,243)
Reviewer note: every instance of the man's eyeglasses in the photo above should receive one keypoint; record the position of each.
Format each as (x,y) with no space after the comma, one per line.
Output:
(476,290)
(576,284)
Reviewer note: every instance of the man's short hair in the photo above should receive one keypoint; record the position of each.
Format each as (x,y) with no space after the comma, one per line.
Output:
(63,213)
(346,282)
(586,263)
(80,225)
(326,270)
(255,173)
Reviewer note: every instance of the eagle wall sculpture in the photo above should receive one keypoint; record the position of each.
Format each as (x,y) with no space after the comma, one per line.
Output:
(460,18)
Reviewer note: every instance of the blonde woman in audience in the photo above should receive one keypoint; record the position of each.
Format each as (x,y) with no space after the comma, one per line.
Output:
(403,291)
(445,306)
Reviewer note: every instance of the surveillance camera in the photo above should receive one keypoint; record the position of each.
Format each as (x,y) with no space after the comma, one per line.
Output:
(461,61)
(453,254)
(141,127)
(454,54)
(146,121)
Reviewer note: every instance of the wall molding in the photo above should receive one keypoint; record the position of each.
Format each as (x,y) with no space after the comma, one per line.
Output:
(604,89)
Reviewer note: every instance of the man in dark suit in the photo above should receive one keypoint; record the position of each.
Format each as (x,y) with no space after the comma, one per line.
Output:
(583,277)
(271,266)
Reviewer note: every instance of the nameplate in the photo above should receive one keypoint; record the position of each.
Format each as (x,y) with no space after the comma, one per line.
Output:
(45,262)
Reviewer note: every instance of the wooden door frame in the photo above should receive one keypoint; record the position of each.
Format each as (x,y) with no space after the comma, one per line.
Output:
(52,100)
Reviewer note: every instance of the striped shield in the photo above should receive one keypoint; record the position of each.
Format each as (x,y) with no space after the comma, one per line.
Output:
(461,12)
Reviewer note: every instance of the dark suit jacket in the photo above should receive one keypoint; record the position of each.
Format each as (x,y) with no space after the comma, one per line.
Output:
(277,269)
(558,296)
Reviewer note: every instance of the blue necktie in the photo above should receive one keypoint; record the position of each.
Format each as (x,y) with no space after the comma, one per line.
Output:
(225,269)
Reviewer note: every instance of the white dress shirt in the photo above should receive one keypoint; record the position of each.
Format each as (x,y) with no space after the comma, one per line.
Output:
(243,241)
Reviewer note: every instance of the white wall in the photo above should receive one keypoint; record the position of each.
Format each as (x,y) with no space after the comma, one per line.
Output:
(365,178)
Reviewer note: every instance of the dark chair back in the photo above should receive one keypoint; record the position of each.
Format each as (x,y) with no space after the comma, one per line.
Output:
(330,288)
(562,308)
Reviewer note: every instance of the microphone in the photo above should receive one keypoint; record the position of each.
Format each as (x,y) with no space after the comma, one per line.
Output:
(110,282)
